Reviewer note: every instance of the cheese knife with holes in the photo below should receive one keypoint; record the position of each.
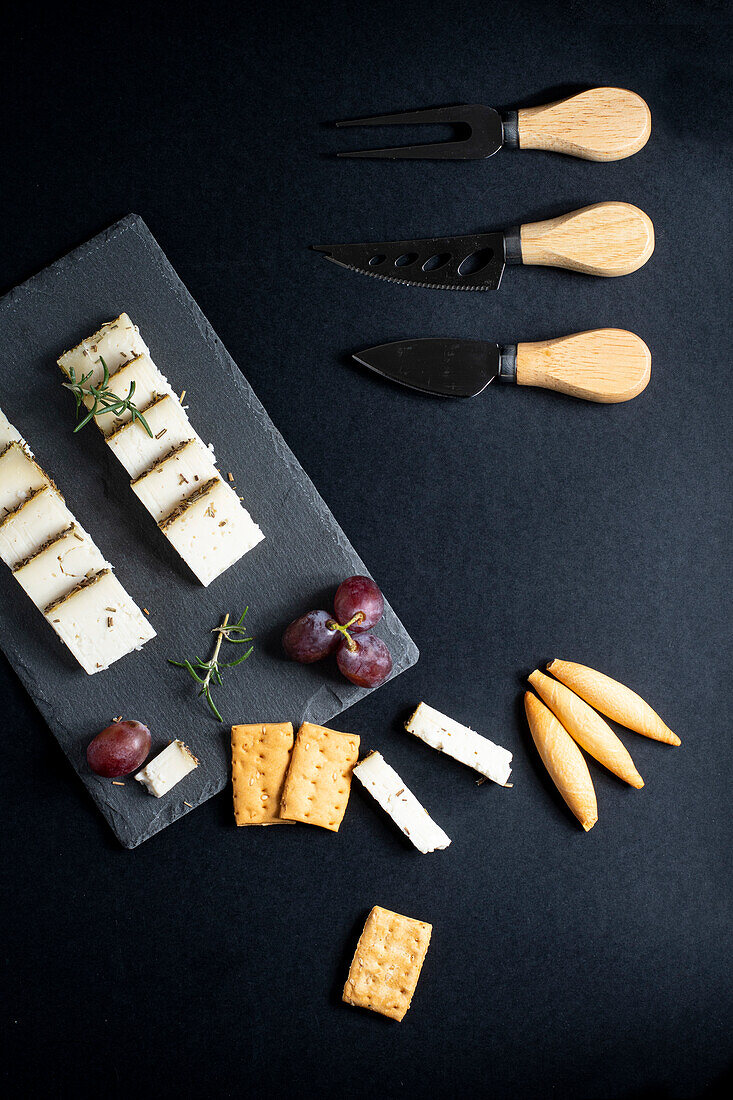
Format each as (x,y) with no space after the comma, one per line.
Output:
(605,365)
(608,238)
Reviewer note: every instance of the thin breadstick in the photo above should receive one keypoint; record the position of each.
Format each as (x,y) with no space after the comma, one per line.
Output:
(564,761)
(614,700)
(586,727)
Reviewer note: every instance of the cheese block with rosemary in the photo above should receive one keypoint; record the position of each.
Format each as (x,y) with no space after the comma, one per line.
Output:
(41,516)
(20,475)
(137,451)
(8,434)
(211,530)
(99,622)
(169,767)
(115,342)
(149,384)
(388,790)
(460,742)
(174,478)
(58,566)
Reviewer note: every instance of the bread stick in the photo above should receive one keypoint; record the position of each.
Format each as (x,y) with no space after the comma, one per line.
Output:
(586,727)
(614,700)
(564,761)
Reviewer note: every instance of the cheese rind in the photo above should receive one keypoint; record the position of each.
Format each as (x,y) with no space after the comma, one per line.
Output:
(460,742)
(59,566)
(32,524)
(388,790)
(20,475)
(150,384)
(115,342)
(211,530)
(170,426)
(99,622)
(174,478)
(168,768)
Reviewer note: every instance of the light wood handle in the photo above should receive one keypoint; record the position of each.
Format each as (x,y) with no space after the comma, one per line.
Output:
(606,364)
(608,238)
(600,124)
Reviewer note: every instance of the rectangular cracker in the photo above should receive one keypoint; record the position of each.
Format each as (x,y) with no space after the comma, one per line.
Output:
(319,779)
(260,759)
(387,963)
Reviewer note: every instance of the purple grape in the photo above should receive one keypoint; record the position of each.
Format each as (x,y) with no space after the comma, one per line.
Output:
(368,664)
(308,639)
(119,749)
(358,596)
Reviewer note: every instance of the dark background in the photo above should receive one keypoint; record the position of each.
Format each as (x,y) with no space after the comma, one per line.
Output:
(505,531)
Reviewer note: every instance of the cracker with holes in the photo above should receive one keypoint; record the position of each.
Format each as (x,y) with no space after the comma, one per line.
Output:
(260,760)
(387,963)
(319,778)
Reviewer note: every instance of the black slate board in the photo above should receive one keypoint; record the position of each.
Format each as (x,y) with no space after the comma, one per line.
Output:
(304,556)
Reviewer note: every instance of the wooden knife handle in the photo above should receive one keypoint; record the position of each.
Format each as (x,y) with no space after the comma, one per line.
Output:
(600,124)
(606,365)
(608,238)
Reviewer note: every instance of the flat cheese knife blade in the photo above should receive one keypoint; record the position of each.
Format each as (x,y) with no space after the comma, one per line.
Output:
(608,238)
(604,365)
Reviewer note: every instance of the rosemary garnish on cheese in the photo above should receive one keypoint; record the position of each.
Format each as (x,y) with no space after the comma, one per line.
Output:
(212,669)
(104,400)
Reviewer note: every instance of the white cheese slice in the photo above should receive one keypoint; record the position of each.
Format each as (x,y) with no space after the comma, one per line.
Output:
(99,622)
(386,788)
(462,743)
(211,530)
(8,434)
(115,342)
(149,383)
(59,566)
(32,524)
(20,475)
(167,768)
(170,426)
(174,478)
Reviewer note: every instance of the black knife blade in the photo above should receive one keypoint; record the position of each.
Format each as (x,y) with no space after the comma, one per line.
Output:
(445,368)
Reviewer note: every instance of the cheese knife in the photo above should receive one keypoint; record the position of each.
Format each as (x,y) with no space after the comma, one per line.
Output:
(608,238)
(605,365)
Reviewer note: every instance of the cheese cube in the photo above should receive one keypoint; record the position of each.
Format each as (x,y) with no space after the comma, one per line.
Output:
(32,524)
(386,788)
(149,386)
(20,475)
(8,434)
(462,743)
(59,566)
(211,530)
(137,451)
(99,622)
(174,478)
(167,768)
(115,342)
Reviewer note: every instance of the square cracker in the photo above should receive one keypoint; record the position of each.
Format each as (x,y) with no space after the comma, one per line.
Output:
(260,759)
(319,780)
(387,963)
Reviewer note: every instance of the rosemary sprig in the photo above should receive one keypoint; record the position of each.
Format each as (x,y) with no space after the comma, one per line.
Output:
(104,400)
(212,669)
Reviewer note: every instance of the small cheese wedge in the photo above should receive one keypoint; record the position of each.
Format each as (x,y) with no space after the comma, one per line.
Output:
(211,530)
(386,788)
(115,342)
(149,383)
(8,434)
(32,524)
(20,475)
(59,566)
(462,743)
(174,478)
(170,426)
(99,622)
(168,768)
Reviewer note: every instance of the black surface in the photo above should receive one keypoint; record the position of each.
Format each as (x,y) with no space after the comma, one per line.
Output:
(506,530)
(304,549)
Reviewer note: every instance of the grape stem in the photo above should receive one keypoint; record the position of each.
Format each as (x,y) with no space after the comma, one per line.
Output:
(344,629)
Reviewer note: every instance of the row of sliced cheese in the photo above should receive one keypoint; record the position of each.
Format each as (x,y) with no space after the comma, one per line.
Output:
(58,565)
(173,472)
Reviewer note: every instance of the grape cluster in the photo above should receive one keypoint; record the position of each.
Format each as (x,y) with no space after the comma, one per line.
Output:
(362,658)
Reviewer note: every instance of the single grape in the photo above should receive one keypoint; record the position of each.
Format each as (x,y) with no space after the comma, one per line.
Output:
(308,639)
(358,596)
(120,749)
(368,664)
